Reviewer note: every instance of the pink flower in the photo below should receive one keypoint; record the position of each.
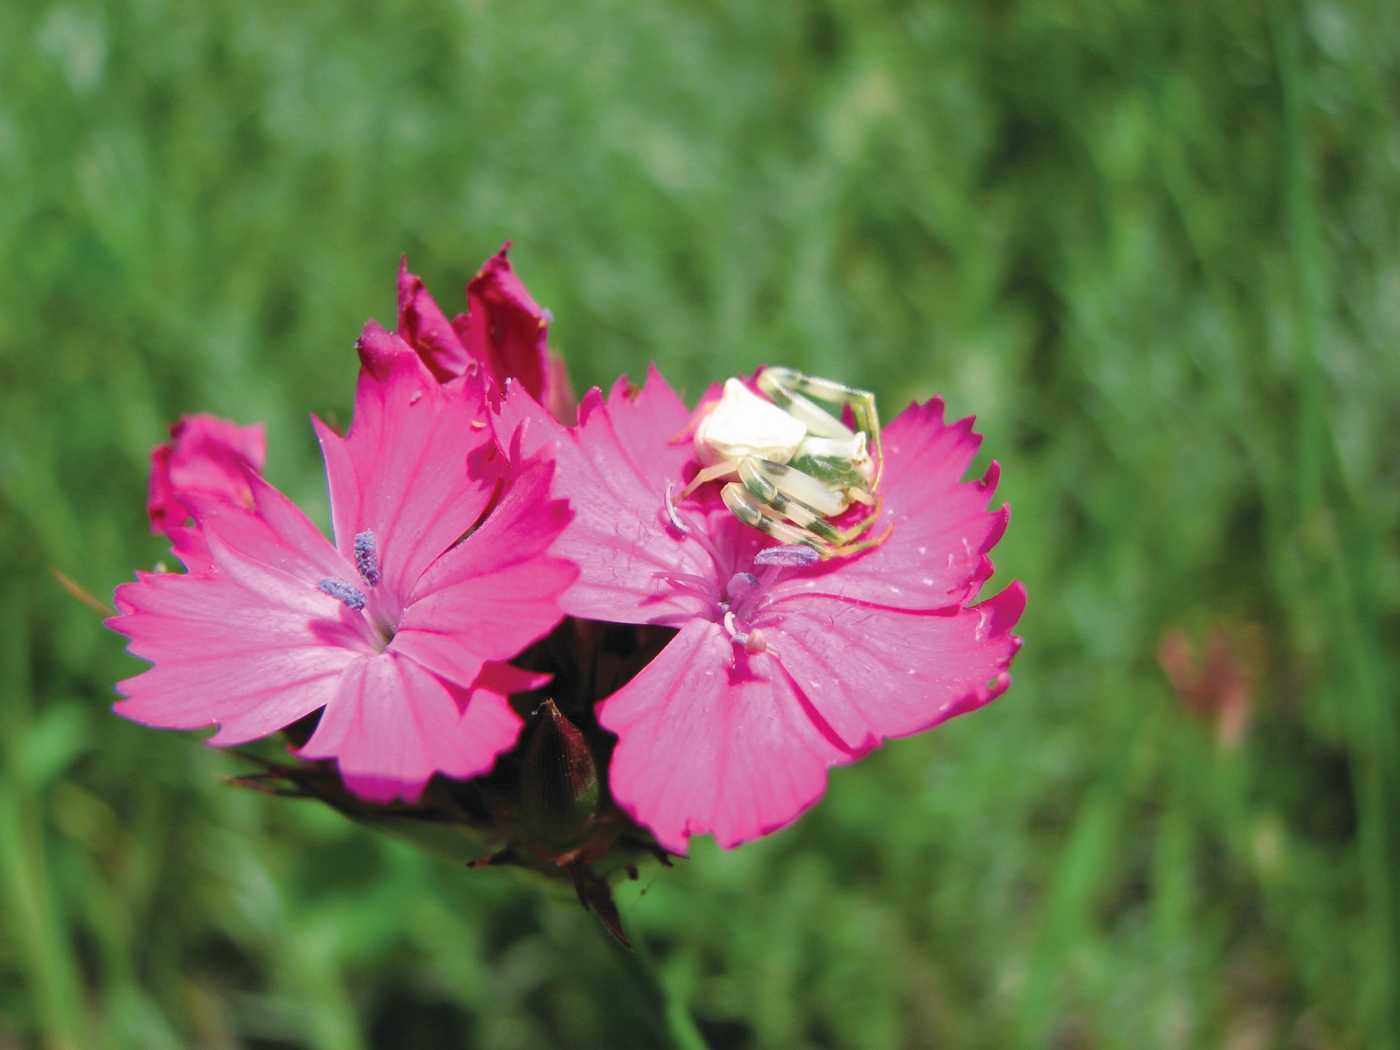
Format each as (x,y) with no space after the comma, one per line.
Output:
(207,457)
(783,665)
(398,629)
(503,328)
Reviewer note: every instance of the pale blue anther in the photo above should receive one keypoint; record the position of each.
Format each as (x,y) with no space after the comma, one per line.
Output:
(341,591)
(367,557)
(789,555)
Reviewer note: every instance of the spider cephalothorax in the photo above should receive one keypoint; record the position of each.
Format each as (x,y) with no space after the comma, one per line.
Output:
(793,467)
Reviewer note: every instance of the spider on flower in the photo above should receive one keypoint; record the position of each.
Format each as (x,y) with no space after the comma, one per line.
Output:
(791,466)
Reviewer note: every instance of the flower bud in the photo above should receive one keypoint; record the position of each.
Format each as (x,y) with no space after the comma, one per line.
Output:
(559,781)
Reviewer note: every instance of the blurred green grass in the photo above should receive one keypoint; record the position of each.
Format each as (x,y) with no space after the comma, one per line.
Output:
(1153,246)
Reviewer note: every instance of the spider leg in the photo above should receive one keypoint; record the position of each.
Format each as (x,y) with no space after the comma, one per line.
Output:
(777,492)
(782,385)
(719,470)
(746,508)
(847,549)
(767,520)
(765,479)
(787,386)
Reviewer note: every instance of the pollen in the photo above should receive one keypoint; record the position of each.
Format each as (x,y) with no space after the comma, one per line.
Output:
(367,557)
(347,593)
(788,555)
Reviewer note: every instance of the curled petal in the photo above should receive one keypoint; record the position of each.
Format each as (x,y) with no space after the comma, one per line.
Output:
(505,679)
(505,328)
(425,328)
(206,456)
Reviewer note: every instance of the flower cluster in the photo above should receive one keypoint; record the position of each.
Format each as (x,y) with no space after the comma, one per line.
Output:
(574,634)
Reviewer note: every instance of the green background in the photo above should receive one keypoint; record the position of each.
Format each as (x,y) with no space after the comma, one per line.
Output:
(1153,246)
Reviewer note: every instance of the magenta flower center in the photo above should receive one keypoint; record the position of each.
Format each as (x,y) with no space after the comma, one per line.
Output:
(741,604)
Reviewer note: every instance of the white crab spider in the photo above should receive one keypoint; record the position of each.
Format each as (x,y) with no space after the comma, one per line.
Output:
(791,465)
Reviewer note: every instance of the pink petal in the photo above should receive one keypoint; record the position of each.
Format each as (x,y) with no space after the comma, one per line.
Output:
(251,643)
(505,328)
(504,679)
(491,723)
(269,528)
(342,486)
(495,592)
(523,429)
(615,470)
(708,744)
(188,544)
(874,672)
(485,707)
(275,533)
(937,554)
(206,456)
(649,426)
(247,647)
(391,725)
(425,328)
(418,466)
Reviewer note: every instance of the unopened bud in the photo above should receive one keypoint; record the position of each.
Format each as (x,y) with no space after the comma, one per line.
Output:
(559,787)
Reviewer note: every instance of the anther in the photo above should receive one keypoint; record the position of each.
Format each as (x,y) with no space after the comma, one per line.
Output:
(341,591)
(788,555)
(367,558)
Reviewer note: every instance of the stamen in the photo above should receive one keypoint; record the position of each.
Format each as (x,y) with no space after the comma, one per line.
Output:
(739,584)
(367,558)
(788,555)
(695,586)
(735,635)
(350,595)
(687,582)
(676,522)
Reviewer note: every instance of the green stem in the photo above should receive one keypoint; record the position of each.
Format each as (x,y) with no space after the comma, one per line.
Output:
(673,1020)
